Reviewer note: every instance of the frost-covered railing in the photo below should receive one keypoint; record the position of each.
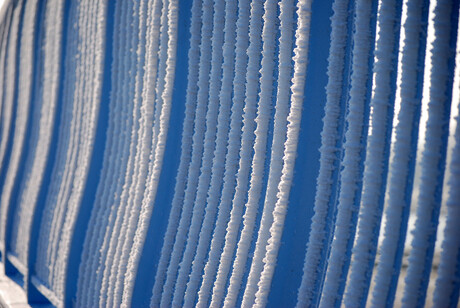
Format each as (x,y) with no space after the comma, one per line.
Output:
(231,153)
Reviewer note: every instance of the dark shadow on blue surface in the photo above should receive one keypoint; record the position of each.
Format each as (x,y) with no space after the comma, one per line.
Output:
(288,272)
